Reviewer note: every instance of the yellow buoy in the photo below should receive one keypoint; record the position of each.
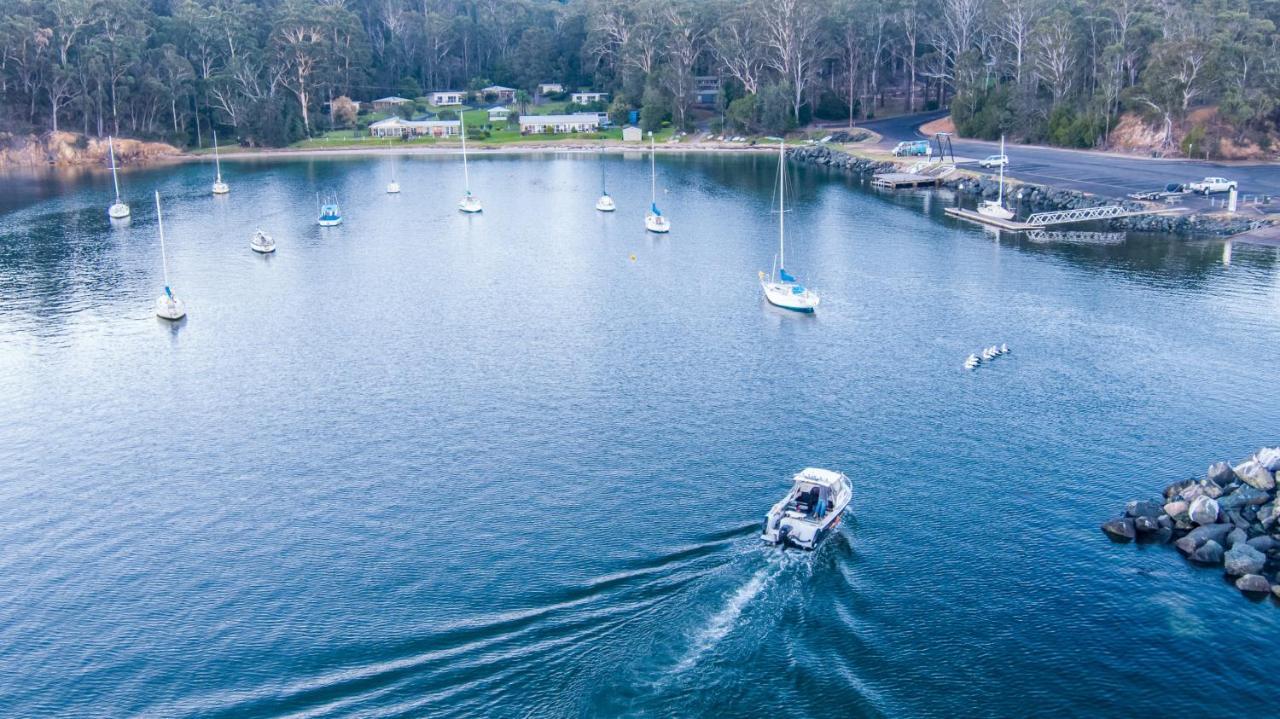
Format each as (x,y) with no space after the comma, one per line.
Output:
(633,258)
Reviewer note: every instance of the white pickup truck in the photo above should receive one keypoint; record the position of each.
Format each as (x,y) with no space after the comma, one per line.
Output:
(1212,184)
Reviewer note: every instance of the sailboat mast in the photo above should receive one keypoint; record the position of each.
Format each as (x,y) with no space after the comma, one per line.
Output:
(782,191)
(393,163)
(217,163)
(111,150)
(653,174)
(466,175)
(164,260)
(1000,198)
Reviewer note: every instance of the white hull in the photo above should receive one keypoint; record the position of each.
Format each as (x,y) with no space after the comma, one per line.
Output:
(220,188)
(605,204)
(799,520)
(118,211)
(994,209)
(657,223)
(170,308)
(393,188)
(329,223)
(470,205)
(263,243)
(782,294)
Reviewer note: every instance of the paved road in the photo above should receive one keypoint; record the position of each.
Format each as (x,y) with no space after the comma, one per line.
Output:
(1100,173)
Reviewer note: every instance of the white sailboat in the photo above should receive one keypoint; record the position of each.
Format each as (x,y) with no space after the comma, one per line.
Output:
(654,221)
(219,187)
(469,202)
(784,290)
(262,243)
(168,306)
(995,208)
(605,203)
(118,210)
(393,187)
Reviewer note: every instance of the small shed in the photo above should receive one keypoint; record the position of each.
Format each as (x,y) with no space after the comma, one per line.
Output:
(499,114)
(631,133)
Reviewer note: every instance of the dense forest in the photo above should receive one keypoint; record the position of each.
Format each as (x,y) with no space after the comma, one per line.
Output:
(1058,71)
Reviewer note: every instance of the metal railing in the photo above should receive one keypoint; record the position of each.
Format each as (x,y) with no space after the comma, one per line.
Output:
(1085,214)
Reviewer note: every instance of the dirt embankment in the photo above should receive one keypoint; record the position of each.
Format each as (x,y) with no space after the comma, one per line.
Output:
(68,148)
(1201,133)
(942,124)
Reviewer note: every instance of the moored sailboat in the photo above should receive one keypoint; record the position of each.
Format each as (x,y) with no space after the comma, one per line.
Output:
(995,208)
(118,210)
(168,306)
(785,290)
(469,202)
(654,221)
(219,187)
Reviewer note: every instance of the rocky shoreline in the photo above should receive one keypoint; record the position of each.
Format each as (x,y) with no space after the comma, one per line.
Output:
(1228,518)
(1040,198)
(69,149)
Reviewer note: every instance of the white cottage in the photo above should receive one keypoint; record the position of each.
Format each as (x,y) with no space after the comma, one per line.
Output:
(541,124)
(445,98)
(397,127)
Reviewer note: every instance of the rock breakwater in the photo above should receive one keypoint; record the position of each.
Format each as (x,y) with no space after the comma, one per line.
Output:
(1227,518)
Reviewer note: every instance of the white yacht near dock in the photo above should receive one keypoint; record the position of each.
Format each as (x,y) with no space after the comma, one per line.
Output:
(811,511)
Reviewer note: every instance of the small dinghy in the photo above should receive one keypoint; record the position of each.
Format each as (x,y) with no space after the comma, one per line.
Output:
(811,511)
(972,362)
(262,242)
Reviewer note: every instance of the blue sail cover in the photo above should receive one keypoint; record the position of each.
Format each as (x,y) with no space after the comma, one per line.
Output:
(786,276)
(797,290)
(655,209)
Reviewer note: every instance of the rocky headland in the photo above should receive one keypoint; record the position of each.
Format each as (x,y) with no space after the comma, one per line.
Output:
(70,149)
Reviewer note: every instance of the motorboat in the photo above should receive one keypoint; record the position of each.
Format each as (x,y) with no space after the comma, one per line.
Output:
(654,221)
(995,208)
(811,511)
(219,187)
(782,289)
(168,306)
(118,210)
(262,242)
(469,202)
(330,214)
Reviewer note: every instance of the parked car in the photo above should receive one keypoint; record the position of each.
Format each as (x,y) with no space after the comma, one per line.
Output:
(1212,184)
(994,161)
(913,148)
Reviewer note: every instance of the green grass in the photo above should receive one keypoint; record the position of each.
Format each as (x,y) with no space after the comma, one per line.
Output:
(505,135)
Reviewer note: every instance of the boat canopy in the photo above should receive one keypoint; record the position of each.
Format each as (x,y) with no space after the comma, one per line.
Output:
(786,276)
(814,475)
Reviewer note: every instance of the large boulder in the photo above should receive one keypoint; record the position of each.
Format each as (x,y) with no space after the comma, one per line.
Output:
(1236,536)
(1209,489)
(1203,510)
(1191,491)
(1209,553)
(1241,497)
(1120,530)
(1263,544)
(1243,559)
(1142,508)
(1269,458)
(1255,475)
(1220,474)
(1177,510)
(1253,584)
(1215,532)
(1172,491)
(1187,545)
(1267,515)
(1145,525)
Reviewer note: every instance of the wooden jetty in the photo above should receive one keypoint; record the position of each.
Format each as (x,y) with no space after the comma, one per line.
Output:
(895,180)
(1060,217)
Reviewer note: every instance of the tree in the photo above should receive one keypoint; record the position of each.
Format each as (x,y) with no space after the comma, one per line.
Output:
(343,111)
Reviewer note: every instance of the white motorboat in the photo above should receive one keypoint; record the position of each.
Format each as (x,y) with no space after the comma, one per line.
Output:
(811,511)
(330,214)
(168,306)
(262,242)
(995,208)
(784,290)
(469,202)
(393,187)
(118,210)
(219,187)
(654,221)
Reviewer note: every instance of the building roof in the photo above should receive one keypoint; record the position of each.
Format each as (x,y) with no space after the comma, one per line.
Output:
(393,99)
(401,122)
(446,92)
(559,119)
(497,88)
(496,108)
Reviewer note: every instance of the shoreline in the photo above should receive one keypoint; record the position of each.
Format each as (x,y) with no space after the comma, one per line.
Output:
(482,149)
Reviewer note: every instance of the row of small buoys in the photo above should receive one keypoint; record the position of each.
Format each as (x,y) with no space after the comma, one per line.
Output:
(988,354)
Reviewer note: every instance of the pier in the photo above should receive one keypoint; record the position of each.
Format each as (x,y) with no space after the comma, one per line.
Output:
(1268,235)
(895,180)
(1060,217)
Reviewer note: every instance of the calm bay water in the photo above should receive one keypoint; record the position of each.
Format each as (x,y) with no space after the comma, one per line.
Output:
(426,464)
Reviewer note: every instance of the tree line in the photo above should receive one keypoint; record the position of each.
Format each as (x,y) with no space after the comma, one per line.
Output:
(1058,71)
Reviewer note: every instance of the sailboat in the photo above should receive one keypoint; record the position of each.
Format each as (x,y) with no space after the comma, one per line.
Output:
(393,187)
(469,202)
(118,210)
(995,208)
(262,243)
(168,306)
(330,213)
(219,187)
(654,221)
(605,203)
(785,291)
